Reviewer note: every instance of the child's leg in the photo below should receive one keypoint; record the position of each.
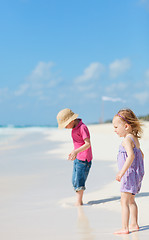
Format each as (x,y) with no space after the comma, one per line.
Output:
(133,213)
(80,173)
(125,199)
(125,210)
(79,195)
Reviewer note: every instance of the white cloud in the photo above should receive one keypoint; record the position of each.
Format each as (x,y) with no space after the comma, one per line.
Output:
(142,97)
(111,99)
(91,95)
(3,91)
(39,81)
(115,87)
(41,72)
(147,74)
(119,67)
(145,3)
(92,72)
(85,88)
(22,89)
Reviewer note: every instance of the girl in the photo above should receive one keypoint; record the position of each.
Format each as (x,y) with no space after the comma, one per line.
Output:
(82,152)
(131,166)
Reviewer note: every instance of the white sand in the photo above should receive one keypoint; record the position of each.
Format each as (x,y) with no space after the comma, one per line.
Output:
(36,193)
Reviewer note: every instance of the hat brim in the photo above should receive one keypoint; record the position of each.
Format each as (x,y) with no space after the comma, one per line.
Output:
(63,125)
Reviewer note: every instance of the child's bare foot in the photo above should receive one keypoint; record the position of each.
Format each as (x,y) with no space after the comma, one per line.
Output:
(78,204)
(122,232)
(79,195)
(134,228)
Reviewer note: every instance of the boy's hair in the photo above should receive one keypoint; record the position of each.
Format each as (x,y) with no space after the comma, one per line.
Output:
(127,115)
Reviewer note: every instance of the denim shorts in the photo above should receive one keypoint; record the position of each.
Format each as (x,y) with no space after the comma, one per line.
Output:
(80,173)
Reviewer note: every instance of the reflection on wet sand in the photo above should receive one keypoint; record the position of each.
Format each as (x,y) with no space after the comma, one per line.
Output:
(83,225)
(86,232)
(131,236)
(135,235)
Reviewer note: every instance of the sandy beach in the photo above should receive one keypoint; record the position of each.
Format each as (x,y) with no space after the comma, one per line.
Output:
(37,198)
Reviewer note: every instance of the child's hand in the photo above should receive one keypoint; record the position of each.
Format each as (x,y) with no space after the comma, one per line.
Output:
(72,155)
(118,177)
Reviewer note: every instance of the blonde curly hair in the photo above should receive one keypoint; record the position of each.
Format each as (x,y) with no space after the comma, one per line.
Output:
(127,115)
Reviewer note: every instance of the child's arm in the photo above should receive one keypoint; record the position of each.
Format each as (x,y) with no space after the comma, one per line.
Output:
(72,156)
(142,153)
(128,145)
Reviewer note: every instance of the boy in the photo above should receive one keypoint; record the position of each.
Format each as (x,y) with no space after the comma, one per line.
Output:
(82,152)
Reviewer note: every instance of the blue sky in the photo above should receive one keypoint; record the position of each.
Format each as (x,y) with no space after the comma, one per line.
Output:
(90,56)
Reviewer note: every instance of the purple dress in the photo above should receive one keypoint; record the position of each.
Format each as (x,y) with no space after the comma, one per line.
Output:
(131,180)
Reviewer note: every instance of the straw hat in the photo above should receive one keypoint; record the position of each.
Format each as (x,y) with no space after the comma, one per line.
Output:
(65,116)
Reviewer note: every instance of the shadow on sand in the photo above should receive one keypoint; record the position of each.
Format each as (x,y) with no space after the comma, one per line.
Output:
(115,198)
(143,228)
